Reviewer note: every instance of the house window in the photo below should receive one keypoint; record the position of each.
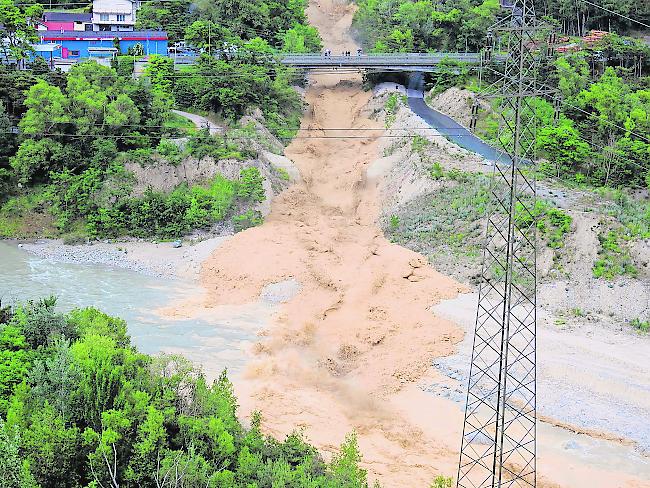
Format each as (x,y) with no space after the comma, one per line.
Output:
(120,17)
(89,27)
(74,53)
(103,17)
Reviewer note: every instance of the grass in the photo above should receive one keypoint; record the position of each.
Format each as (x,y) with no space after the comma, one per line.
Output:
(613,257)
(641,325)
(451,219)
(632,214)
(282,173)
(447,220)
(179,123)
(419,144)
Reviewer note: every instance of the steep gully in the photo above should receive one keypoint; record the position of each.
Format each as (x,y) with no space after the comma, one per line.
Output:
(348,351)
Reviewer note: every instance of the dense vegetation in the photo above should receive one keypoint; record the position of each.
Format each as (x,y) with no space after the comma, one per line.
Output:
(407,26)
(77,133)
(65,139)
(460,25)
(601,135)
(214,25)
(81,407)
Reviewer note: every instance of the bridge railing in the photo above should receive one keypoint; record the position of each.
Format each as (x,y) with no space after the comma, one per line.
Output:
(397,59)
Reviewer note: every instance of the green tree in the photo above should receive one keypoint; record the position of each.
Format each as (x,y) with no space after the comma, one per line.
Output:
(14,471)
(251,185)
(17,29)
(564,147)
(160,70)
(301,39)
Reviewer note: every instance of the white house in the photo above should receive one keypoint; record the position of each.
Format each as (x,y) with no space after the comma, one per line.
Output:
(115,15)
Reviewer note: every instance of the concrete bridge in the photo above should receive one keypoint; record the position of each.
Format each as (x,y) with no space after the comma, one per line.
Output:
(386,62)
(409,62)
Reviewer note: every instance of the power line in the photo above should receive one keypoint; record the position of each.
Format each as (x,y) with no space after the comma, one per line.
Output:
(617,14)
(607,122)
(239,138)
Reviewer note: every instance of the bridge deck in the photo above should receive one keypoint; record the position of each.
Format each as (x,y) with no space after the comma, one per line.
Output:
(374,61)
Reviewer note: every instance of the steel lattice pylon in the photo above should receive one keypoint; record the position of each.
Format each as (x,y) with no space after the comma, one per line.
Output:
(498,445)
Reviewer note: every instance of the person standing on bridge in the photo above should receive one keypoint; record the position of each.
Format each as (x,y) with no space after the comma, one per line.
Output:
(359,52)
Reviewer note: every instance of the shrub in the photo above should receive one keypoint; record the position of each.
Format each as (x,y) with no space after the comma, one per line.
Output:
(170,151)
(419,143)
(165,216)
(394,222)
(641,325)
(250,185)
(250,218)
(442,482)
(436,172)
(614,258)
(202,145)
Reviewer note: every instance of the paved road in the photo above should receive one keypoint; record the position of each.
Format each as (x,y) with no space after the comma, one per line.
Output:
(452,129)
(200,121)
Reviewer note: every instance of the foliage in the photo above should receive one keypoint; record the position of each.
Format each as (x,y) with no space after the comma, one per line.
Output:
(202,145)
(641,325)
(123,65)
(160,70)
(250,185)
(419,143)
(250,218)
(436,172)
(301,39)
(17,30)
(442,482)
(116,114)
(613,257)
(551,222)
(167,216)
(423,25)
(448,73)
(394,222)
(89,410)
(231,87)
(392,106)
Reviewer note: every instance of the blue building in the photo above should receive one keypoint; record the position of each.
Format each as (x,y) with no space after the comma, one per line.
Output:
(85,44)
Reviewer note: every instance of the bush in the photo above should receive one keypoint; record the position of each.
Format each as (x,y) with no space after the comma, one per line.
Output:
(170,151)
(250,218)
(442,482)
(614,258)
(202,145)
(165,215)
(250,185)
(436,172)
(394,222)
(641,325)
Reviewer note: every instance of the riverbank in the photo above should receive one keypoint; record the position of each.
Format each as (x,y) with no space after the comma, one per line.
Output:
(151,258)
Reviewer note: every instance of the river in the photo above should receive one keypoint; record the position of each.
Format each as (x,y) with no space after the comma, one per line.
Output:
(215,341)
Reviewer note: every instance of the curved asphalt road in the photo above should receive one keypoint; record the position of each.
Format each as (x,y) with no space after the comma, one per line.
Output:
(451,129)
